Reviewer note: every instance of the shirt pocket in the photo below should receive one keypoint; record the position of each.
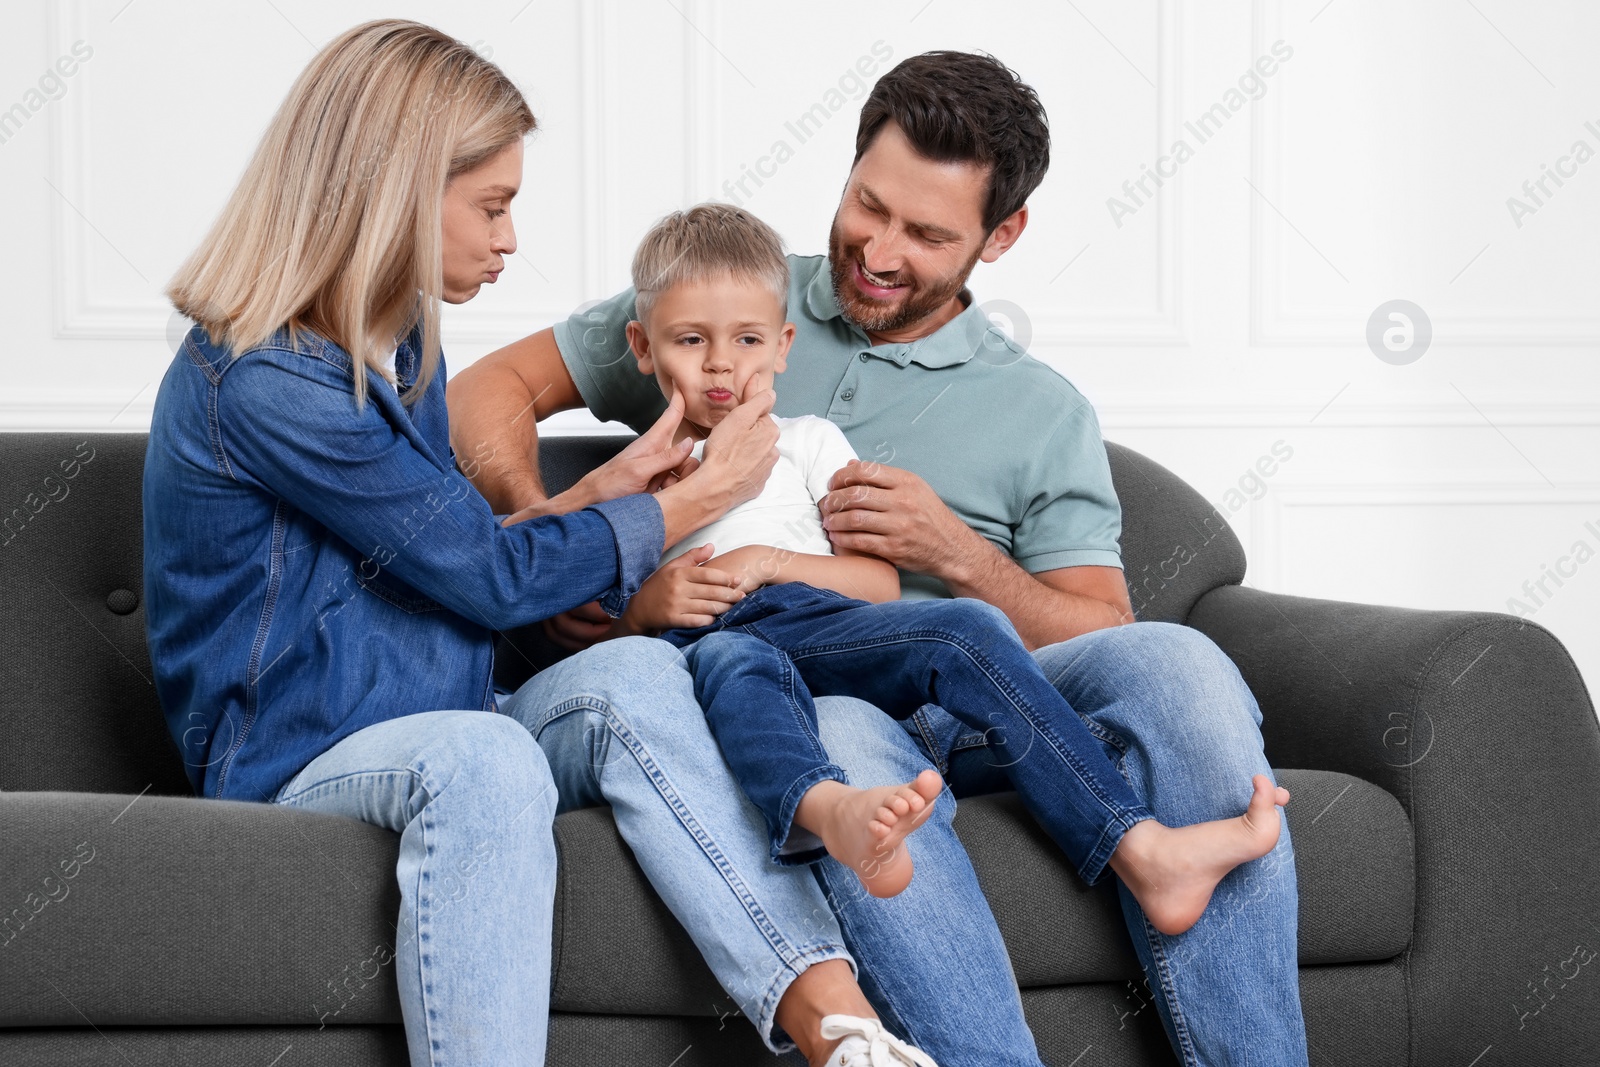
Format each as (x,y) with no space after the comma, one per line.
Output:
(398,594)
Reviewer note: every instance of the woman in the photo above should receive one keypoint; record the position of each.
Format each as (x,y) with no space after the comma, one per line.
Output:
(322,585)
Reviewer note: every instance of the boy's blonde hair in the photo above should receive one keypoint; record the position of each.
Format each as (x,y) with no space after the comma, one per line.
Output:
(707,241)
(336,225)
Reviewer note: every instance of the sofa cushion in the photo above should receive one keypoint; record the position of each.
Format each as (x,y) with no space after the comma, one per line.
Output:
(1353,859)
(224,913)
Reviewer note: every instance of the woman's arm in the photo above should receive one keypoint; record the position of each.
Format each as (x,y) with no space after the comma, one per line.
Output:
(287,423)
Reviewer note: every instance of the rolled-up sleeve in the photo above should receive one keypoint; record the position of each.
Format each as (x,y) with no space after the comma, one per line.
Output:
(639,530)
(288,423)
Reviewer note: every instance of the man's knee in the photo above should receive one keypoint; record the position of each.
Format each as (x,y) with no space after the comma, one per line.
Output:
(1160,678)
(1188,659)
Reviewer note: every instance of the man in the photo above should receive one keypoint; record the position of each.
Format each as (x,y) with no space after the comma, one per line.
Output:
(985,477)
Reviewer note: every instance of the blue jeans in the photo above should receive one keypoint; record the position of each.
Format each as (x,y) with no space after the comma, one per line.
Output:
(619,724)
(757,667)
(472,799)
(1183,729)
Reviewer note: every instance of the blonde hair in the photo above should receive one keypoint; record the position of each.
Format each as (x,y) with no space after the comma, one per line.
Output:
(335,226)
(708,240)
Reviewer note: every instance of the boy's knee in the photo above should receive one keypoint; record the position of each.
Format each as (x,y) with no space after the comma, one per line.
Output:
(716,648)
(969,618)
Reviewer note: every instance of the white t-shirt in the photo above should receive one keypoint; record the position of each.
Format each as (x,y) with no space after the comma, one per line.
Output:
(388,366)
(784,515)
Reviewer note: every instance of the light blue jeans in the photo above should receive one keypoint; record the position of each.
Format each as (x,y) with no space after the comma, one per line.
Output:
(619,724)
(470,795)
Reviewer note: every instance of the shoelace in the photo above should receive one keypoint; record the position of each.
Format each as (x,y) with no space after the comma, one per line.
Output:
(884,1049)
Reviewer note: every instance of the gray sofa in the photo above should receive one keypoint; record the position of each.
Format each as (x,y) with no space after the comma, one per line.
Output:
(1445,769)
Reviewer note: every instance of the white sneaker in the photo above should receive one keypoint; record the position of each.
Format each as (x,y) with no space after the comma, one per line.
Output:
(867,1044)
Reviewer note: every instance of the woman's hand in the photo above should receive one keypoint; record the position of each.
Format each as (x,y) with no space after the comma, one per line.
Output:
(682,594)
(650,463)
(739,455)
(743,447)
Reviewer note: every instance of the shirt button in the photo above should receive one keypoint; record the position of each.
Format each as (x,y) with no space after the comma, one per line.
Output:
(848,394)
(864,357)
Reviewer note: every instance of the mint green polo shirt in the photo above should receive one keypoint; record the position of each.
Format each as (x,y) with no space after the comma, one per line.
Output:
(1007,443)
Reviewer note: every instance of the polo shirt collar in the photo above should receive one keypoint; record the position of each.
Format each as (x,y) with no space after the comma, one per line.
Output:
(953,343)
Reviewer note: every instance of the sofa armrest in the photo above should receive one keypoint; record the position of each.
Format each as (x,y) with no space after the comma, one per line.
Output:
(1481,726)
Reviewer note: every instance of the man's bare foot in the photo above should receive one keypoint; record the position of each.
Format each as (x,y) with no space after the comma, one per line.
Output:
(864,828)
(1173,872)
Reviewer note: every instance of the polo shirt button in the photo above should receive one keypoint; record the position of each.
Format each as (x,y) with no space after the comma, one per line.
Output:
(864,357)
(848,394)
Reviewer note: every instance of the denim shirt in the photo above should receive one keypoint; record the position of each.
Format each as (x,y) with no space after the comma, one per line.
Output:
(311,569)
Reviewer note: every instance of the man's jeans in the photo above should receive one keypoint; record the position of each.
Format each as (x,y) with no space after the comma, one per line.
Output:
(471,797)
(758,666)
(1184,730)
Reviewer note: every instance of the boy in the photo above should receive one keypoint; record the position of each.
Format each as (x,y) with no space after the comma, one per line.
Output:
(778,616)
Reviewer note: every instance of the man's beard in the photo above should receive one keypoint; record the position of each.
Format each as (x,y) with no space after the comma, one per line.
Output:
(877,316)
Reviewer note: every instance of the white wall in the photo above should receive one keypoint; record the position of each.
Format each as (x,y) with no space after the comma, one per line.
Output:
(1220,316)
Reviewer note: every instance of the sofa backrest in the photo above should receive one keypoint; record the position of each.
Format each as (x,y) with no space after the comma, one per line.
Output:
(1176,547)
(78,708)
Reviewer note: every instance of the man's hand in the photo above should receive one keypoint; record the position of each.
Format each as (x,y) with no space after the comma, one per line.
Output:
(894,515)
(579,628)
(682,594)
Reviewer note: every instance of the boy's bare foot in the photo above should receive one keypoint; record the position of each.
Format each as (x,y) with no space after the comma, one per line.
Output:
(1173,872)
(864,828)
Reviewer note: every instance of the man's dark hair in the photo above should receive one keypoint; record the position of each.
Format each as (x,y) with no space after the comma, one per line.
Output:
(965,107)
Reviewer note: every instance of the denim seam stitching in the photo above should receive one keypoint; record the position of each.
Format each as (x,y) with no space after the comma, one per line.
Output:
(263,628)
(1180,1024)
(940,759)
(685,817)
(422,902)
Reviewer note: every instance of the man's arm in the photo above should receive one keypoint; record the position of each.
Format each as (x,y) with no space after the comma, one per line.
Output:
(894,514)
(494,405)
(1050,606)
